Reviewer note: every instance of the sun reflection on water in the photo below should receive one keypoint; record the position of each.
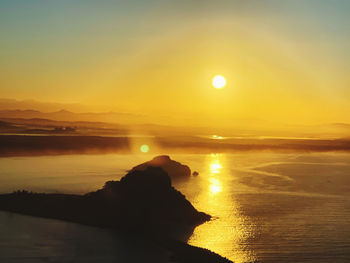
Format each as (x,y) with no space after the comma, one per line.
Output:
(215,169)
(215,186)
(229,226)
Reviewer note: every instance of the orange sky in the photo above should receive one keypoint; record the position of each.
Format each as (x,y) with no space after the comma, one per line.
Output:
(284,62)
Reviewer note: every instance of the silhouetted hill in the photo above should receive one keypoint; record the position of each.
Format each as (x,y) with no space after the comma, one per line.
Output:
(173,168)
(141,203)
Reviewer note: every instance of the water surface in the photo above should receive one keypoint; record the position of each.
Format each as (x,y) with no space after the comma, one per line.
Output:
(268,207)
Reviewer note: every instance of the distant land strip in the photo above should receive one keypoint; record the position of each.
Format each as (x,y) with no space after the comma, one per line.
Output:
(23,145)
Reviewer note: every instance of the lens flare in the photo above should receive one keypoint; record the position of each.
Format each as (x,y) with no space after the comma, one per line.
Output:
(144,148)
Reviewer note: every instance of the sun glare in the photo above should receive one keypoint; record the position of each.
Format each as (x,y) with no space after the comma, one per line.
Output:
(215,186)
(144,148)
(215,167)
(219,82)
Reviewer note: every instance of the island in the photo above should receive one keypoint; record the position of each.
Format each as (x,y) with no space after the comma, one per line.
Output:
(143,203)
(174,169)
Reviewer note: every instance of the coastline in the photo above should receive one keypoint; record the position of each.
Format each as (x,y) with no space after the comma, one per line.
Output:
(29,145)
(143,204)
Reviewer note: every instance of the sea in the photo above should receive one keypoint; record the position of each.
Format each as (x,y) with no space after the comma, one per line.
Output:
(266,206)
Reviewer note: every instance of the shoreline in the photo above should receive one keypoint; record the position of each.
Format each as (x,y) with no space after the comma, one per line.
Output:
(28,145)
(142,204)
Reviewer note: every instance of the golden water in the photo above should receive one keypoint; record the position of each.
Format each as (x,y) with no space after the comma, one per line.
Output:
(267,207)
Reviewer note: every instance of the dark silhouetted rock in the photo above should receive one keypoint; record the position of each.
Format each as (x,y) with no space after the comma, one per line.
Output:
(141,201)
(174,169)
(195,173)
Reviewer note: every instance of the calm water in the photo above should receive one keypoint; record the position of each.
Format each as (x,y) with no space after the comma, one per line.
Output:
(268,207)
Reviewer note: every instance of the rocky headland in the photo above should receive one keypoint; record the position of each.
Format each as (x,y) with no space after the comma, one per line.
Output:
(175,169)
(143,203)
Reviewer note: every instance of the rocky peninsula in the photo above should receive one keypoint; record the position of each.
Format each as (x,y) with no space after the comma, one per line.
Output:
(143,203)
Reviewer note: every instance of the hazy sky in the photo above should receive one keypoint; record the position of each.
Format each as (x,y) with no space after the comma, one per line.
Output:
(285,61)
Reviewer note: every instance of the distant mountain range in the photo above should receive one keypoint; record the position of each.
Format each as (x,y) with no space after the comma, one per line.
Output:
(13,104)
(46,114)
(64,115)
(29,109)
(31,121)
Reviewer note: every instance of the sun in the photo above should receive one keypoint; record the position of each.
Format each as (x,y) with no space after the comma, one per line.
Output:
(219,82)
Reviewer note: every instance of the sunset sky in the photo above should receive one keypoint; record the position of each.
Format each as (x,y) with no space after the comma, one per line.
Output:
(284,61)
